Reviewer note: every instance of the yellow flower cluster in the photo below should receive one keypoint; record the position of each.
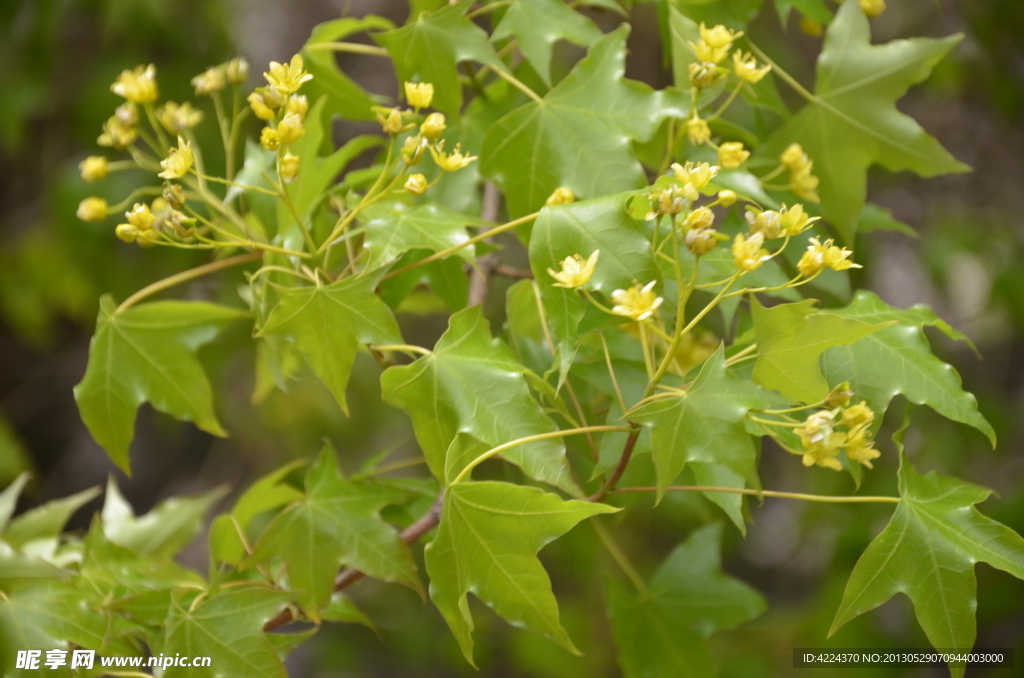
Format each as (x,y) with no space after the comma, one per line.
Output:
(820,256)
(801,179)
(821,442)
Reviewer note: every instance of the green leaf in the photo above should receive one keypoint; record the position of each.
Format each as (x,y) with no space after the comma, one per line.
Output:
(732,13)
(898,360)
(337,523)
(928,552)
(663,634)
(14,458)
(228,627)
(487,544)
(162,532)
(427,227)
(327,324)
(342,609)
(579,135)
(538,25)
(147,353)
(852,121)
(705,424)
(48,520)
(812,9)
(17,568)
(580,228)
(473,384)
(875,218)
(345,98)
(9,499)
(790,341)
(430,47)
(266,494)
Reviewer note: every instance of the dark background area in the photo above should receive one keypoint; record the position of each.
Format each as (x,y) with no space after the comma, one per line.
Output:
(59,57)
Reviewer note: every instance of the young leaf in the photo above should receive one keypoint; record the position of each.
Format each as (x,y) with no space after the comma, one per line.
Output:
(338,523)
(664,634)
(162,532)
(790,341)
(581,228)
(327,324)
(928,552)
(9,499)
(227,626)
(538,25)
(705,424)
(473,384)
(851,121)
(898,360)
(487,544)
(47,520)
(148,353)
(579,135)
(430,47)
(428,227)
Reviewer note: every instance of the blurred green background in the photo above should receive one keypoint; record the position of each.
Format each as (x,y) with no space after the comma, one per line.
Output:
(59,57)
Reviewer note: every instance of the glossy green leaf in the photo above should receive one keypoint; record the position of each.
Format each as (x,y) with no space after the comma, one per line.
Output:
(228,627)
(48,520)
(487,544)
(579,135)
(337,523)
(581,228)
(147,353)
(663,634)
(162,532)
(427,227)
(327,324)
(538,25)
(790,341)
(852,121)
(9,500)
(473,384)
(17,568)
(898,360)
(875,218)
(430,47)
(705,424)
(928,552)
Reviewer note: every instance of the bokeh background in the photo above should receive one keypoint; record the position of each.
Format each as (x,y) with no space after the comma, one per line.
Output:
(58,58)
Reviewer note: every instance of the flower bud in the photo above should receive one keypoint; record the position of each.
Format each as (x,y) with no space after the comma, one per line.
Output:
(137,86)
(269,139)
(699,218)
(731,154)
(811,27)
(237,70)
(298,104)
(433,126)
(127,114)
(416,184)
(419,94)
(872,8)
(562,195)
(126,232)
(92,209)
(698,131)
(140,217)
(289,129)
(259,106)
(700,241)
(174,195)
(839,396)
(766,223)
(393,123)
(726,198)
(412,150)
(289,167)
(210,81)
(93,168)
(703,74)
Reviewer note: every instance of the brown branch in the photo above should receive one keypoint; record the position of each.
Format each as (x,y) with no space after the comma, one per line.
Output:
(613,480)
(486,264)
(346,578)
(512,272)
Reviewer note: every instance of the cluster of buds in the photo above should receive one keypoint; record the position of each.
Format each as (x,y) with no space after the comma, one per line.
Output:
(146,223)
(748,250)
(801,179)
(121,129)
(215,78)
(820,256)
(821,442)
(284,110)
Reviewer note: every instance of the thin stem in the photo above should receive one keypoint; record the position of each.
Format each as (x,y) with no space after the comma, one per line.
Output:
(488,8)
(531,439)
(611,371)
(258,189)
(732,97)
(627,454)
(645,346)
(280,269)
(344,222)
(397,465)
(597,304)
(224,125)
(455,248)
(351,47)
(185,276)
(619,557)
(733,359)
(295,215)
(407,348)
(518,84)
(768,493)
(789,79)
(773,422)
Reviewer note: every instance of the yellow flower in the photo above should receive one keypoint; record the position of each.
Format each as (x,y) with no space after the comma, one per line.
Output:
(562,195)
(450,162)
(92,209)
(700,241)
(703,74)
(719,36)
(638,302)
(698,175)
(698,131)
(820,443)
(416,184)
(872,8)
(433,126)
(116,134)
(419,94)
(393,123)
(93,168)
(747,253)
(176,119)
(575,271)
(297,104)
(858,415)
(727,198)
(290,129)
(237,70)
(178,163)
(745,67)
(412,150)
(707,53)
(289,167)
(819,256)
(212,80)
(794,158)
(795,220)
(859,446)
(701,217)
(259,106)
(126,232)
(837,258)
(140,217)
(269,139)
(767,223)
(287,78)
(839,396)
(731,154)
(137,86)
(805,185)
